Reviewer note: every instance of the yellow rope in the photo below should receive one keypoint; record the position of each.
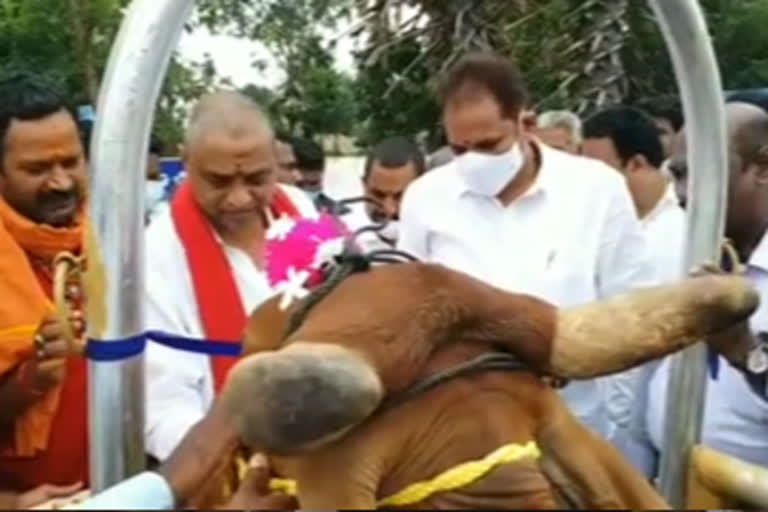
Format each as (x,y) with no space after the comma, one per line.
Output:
(729,250)
(455,478)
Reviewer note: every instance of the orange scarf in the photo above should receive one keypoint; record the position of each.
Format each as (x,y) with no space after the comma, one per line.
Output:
(24,304)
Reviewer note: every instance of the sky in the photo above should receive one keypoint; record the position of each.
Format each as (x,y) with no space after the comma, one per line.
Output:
(233,57)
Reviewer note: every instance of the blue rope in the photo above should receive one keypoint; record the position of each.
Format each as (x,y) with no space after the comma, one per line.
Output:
(118,350)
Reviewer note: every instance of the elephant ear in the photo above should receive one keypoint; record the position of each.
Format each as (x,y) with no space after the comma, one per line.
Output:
(618,334)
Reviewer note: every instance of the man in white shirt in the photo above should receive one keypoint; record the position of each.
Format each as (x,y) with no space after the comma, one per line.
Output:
(390,167)
(520,215)
(204,258)
(560,129)
(628,140)
(667,115)
(736,410)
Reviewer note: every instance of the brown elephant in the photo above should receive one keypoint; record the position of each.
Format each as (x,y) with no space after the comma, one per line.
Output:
(330,402)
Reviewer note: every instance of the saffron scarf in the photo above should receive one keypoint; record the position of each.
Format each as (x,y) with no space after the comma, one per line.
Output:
(222,313)
(24,304)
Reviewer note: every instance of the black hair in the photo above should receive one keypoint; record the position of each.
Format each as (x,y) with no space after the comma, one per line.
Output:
(498,75)
(395,152)
(664,107)
(27,96)
(632,131)
(309,155)
(756,97)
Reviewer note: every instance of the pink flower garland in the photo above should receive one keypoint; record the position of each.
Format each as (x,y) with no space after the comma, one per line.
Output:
(294,248)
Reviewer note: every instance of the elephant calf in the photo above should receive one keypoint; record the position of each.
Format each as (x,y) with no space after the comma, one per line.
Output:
(330,402)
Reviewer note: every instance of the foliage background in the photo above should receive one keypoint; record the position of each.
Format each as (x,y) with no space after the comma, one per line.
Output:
(577,54)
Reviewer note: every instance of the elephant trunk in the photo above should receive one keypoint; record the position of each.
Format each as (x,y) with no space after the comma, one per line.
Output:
(614,335)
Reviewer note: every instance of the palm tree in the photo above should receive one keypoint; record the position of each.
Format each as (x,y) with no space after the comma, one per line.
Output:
(568,48)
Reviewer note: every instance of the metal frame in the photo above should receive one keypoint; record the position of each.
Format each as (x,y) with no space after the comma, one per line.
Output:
(683,25)
(137,66)
(131,86)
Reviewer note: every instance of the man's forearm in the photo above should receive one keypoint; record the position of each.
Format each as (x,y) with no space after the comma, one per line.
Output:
(207,447)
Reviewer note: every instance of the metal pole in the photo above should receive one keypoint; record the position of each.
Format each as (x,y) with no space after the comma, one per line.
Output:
(129,91)
(690,47)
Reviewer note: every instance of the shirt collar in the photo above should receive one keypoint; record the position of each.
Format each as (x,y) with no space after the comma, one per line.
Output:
(668,200)
(544,180)
(759,257)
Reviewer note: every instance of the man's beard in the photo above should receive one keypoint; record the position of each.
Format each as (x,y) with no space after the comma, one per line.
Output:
(68,202)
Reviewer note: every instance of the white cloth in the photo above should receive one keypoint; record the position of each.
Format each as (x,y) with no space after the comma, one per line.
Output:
(179,385)
(664,228)
(145,491)
(572,238)
(735,418)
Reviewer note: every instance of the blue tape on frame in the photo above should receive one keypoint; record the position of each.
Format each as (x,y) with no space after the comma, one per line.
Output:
(118,350)
(115,350)
(196,345)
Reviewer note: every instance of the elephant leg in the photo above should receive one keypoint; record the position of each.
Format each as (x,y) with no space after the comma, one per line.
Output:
(589,472)
(339,477)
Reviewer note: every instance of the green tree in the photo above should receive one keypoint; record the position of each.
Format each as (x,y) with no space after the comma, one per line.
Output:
(69,37)
(72,39)
(315,98)
(396,96)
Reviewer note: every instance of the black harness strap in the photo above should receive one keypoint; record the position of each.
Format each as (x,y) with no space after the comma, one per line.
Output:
(353,261)
(492,361)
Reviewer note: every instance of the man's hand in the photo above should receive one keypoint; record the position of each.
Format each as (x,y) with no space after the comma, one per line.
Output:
(207,448)
(254,493)
(736,342)
(51,353)
(45,493)
(33,378)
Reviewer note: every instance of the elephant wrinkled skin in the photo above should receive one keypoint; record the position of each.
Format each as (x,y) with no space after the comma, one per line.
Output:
(313,401)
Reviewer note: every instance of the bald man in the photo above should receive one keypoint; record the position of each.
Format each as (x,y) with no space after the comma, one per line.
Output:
(736,411)
(205,258)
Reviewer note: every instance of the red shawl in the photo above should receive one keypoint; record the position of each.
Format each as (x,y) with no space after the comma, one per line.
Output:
(218,299)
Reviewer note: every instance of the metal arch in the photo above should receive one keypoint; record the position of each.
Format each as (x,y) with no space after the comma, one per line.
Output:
(137,66)
(685,31)
(136,69)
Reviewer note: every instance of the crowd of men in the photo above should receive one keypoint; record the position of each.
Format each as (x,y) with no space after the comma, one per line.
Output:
(565,209)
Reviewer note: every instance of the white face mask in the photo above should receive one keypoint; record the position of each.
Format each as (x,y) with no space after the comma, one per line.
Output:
(390,231)
(487,174)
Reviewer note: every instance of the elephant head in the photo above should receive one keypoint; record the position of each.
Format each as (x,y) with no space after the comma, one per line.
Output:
(380,331)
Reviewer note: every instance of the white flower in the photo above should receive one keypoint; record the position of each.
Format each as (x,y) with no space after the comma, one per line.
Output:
(292,288)
(280,228)
(327,251)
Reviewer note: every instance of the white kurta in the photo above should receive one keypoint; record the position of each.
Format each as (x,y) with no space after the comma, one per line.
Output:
(179,387)
(735,418)
(571,239)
